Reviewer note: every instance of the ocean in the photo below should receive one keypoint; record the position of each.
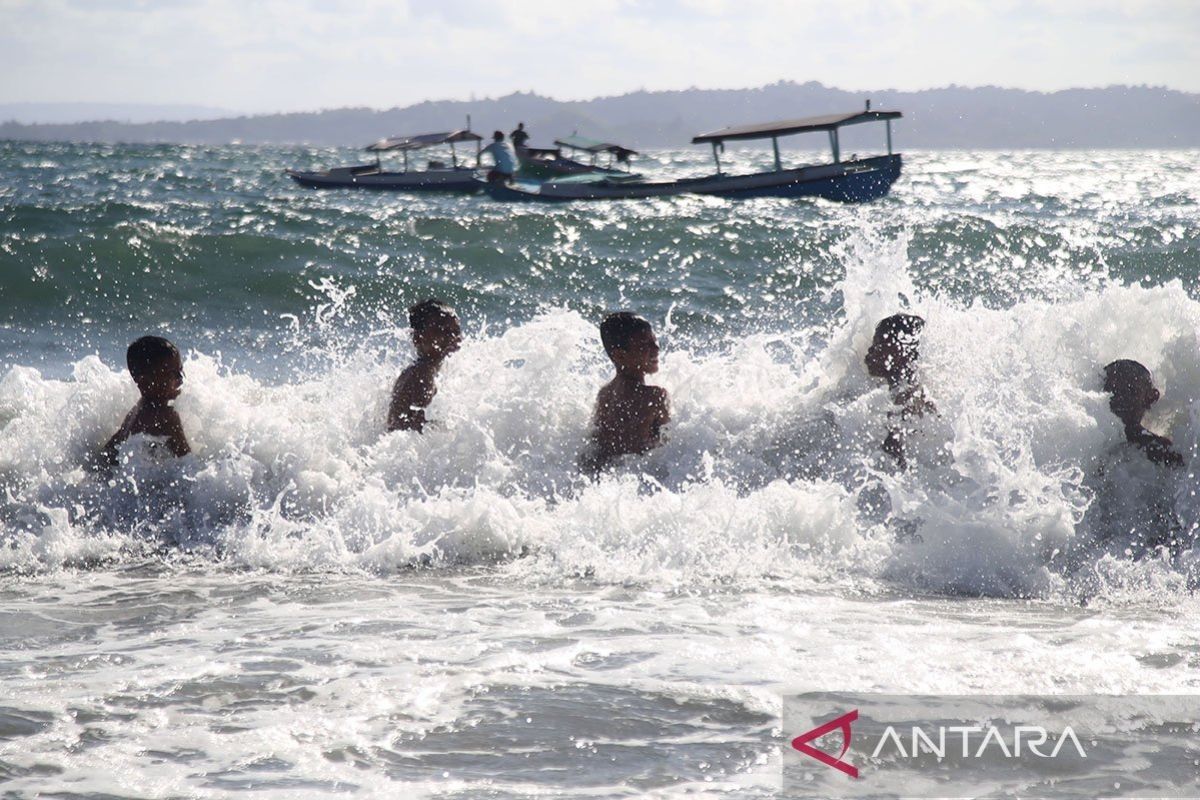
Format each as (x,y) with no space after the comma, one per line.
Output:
(309,607)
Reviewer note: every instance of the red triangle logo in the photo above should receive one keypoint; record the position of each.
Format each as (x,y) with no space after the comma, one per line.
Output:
(842,723)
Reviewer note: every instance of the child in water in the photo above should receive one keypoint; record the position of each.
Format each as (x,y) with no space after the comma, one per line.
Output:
(157,369)
(435,334)
(1133,393)
(893,356)
(629,415)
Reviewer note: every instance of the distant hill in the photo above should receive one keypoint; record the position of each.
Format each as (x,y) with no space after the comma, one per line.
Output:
(68,113)
(952,117)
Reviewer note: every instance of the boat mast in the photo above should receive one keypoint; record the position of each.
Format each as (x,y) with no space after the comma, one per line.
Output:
(716,156)
(889,134)
(775,144)
(833,144)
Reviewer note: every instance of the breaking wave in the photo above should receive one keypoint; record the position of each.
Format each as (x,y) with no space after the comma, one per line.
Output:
(1020,486)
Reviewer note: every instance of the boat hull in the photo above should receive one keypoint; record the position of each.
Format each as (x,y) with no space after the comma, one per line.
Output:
(544,169)
(848,182)
(461,179)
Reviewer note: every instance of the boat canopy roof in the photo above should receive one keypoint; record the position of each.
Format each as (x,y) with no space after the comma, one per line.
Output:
(594,146)
(424,140)
(767,130)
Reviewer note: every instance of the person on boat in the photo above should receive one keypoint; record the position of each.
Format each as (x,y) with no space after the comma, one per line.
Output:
(157,370)
(519,137)
(629,415)
(1133,393)
(893,357)
(504,159)
(436,334)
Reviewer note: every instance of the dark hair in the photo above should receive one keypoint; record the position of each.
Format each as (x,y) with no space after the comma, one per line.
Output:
(498,135)
(1125,373)
(427,312)
(619,328)
(520,124)
(898,326)
(147,352)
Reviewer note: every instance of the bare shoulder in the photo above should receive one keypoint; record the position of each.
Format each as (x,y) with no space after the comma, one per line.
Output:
(416,377)
(607,391)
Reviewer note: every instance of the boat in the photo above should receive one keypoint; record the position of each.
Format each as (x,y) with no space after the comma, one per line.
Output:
(435,176)
(854,180)
(544,163)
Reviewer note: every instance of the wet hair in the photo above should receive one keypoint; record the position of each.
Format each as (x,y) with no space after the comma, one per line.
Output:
(498,135)
(903,328)
(147,352)
(618,330)
(428,312)
(1125,373)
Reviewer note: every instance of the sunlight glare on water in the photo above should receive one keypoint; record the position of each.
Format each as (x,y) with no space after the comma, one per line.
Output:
(309,607)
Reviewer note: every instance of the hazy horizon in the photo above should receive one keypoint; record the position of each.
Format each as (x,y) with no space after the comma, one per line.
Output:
(58,112)
(275,57)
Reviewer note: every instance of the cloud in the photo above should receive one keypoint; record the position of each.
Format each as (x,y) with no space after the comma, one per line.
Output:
(302,54)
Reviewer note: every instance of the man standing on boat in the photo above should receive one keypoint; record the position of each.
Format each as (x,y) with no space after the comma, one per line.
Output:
(519,137)
(505,159)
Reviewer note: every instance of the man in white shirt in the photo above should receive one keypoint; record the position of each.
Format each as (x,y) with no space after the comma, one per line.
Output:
(505,159)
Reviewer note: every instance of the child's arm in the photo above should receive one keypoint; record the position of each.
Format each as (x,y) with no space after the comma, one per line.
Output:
(108,453)
(1158,449)
(662,410)
(172,427)
(592,459)
(664,406)
(893,445)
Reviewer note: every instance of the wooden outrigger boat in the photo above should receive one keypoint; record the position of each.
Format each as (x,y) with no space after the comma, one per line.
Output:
(544,163)
(852,181)
(436,175)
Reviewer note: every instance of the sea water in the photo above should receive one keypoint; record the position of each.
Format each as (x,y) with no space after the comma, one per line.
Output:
(307,606)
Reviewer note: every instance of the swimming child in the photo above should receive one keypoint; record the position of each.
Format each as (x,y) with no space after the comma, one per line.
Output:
(1133,393)
(157,369)
(893,355)
(629,415)
(436,334)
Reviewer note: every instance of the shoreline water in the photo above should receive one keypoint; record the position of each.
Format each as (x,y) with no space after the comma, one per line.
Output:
(336,610)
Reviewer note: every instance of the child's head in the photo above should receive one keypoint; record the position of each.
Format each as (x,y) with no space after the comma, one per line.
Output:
(629,341)
(1132,390)
(435,329)
(156,367)
(893,351)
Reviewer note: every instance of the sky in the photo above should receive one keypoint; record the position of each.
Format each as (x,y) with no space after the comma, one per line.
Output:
(292,55)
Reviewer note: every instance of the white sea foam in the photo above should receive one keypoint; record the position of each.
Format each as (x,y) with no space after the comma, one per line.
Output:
(770,466)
